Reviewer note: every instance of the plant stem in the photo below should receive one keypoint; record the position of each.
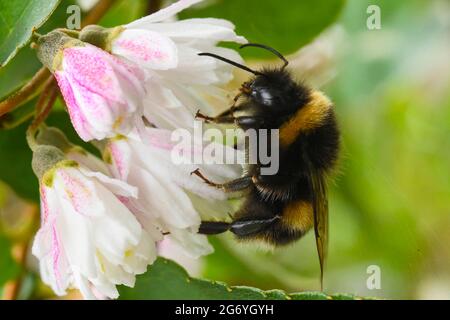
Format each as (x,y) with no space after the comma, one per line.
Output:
(97,12)
(49,83)
(8,121)
(35,37)
(52,95)
(43,108)
(25,92)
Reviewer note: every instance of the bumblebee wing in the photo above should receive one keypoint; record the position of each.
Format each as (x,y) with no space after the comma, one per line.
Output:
(320,207)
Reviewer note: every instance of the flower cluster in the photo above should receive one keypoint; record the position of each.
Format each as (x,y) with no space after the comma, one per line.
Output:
(125,89)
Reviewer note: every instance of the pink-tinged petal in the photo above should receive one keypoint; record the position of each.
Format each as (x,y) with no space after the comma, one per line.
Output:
(103,92)
(158,138)
(90,67)
(48,248)
(45,208)
(120,156)
(98,113)
(163,14)
(56,256)
(129,70)
(53,267)
(131,80)
(77,190)
(146,48)
(76,116)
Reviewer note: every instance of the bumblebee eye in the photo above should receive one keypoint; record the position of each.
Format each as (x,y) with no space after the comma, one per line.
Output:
(263,96)
(266,95)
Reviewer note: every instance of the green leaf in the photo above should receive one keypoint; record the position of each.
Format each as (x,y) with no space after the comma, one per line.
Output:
(123,12)
(9,269)
(16,73)
(285,25)
(310,295)
(18,20)
(167,280)
(15,161)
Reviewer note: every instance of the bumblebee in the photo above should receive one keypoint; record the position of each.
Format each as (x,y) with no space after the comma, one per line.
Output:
(279,209)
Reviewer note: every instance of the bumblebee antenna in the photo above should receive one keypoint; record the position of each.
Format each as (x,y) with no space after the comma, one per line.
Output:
(275,52)
(240,66)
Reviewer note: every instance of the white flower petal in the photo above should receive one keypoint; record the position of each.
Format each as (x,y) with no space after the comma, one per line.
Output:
(76,238)
(82,283)
(115,274)
(163,14)
(192,30)
(194,245)
(118,187)
(147,48)
(164,198)
(87,160)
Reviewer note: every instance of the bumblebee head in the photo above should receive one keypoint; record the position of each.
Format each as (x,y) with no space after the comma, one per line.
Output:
(276,91)
(272,89)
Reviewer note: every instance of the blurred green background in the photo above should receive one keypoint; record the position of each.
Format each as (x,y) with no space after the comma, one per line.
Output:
(390,202)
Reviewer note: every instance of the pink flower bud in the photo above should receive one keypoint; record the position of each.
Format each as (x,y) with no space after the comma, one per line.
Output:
(103,93)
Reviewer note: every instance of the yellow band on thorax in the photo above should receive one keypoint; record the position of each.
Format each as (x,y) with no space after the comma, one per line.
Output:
(308,117)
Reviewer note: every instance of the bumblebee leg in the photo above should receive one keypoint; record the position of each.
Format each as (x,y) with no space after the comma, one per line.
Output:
(230,111)
(226,115)
(249,227)
(239,228)
(231,186)
(237,184)
(213,227)
(219,119)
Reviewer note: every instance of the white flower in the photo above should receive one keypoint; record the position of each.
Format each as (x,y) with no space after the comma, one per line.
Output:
(88,238)
(179,81)
(86,160)
(164,202)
